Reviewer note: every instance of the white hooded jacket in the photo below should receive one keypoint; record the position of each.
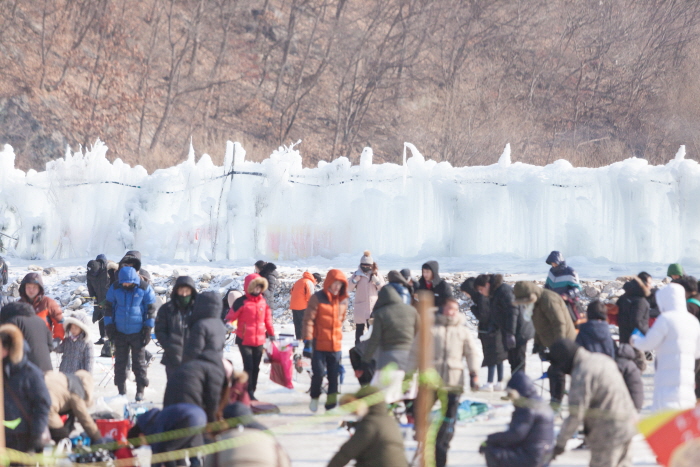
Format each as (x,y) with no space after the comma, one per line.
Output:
(676,337)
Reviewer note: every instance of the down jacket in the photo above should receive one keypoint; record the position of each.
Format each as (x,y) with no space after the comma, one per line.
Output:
(550,316)
(33,330)
(253,314)
(675,336)
(453,343)
(490,335)
(199,382)
(631,366)
(325,314)
(530,435)
(130,309)
(26,396)
(394,328)
(301,292)
(206,332)
(366,289)
(77,353)
(512,317)
(45,308)
(269,272)
(171,323)
(633,309)
(594,336)
(71,395)
(439,287)
(561,279)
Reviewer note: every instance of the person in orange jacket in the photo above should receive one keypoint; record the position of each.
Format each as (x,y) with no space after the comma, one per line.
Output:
(323,322)
(31,290)
(301,292)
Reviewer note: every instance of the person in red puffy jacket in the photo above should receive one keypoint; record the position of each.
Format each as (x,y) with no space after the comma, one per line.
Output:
(254,318)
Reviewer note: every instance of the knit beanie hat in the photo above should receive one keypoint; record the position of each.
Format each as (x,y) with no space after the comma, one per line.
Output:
(367,258)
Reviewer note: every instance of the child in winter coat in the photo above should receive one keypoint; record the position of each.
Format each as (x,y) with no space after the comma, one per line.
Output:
(594,335)
(76,347)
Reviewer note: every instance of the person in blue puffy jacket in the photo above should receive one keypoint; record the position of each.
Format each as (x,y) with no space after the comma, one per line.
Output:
(129,320)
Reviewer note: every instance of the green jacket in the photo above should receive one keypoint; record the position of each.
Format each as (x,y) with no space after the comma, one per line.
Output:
(395,324)
(377,442)
(550,316)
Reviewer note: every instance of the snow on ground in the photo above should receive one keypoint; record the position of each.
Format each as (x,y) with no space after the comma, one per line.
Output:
(311,440)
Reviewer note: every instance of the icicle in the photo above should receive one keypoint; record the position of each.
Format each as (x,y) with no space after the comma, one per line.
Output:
(680,155)
(504,160)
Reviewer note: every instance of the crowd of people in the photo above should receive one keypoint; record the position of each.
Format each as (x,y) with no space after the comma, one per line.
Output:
(605,389)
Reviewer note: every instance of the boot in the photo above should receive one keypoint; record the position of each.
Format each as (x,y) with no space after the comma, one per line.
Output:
(139,392)
(121,387)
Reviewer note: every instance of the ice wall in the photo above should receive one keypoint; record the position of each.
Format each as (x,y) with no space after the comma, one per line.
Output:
(83,205)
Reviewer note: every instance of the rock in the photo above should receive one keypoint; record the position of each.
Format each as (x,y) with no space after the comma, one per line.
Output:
(79,278)
(203,286)
(175,274)
(85,294)
(206,277)
(160,290)
(613,286)
(226,282)
(75,304)
(591,292)
(49,271)
(80,289)
(603,296)
(34,267)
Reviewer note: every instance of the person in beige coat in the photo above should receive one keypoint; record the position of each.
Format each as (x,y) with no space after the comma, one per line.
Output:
(453,343)
(366,282)
(71,395)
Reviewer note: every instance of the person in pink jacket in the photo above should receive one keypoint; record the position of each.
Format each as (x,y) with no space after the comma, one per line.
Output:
(366,283)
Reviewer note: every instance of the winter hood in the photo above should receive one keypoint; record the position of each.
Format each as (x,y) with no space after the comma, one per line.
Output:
(396,278)
(16,354)
(80,319)
(388,296)
(526,292)
(524,385)
(95,266)
(671,298)
(435,267)
(555,257)
(636,288)
(13,309)
(598,329)
(675,269)
(206,305)
(251,281)
(336,275)
(31,278)
(309,276)
(186,281)
(128,275)
(132,257)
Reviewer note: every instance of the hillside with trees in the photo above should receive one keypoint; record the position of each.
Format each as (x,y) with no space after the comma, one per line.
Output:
(592,81)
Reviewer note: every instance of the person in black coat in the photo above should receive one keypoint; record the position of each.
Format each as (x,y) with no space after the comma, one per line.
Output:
(632,363)
(200,382)
(98,282)
(171,322)
(594,335)
(25,395)
(490,325)
(269,272)
(529,439)
(633,307)
(33,329)
(206,331)
(430,280)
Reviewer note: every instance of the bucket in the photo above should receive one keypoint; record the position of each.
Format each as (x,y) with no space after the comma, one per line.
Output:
(114,429)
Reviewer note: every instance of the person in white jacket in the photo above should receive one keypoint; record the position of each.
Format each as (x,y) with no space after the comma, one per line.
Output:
(676,337)
(366,282)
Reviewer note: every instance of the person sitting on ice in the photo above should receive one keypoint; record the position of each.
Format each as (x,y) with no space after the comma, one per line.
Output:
(76,347)
(594,335)
(377,440)
(530,435)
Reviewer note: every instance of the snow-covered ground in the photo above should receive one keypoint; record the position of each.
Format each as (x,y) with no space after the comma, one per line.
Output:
(309,439)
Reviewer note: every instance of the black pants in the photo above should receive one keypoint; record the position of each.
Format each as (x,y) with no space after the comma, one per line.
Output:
(101,325)
(447,430)
(517,357)
(557,384)
(19,442)
(323,363)
(298,317)
(123,344)
(251,364)
(359,330)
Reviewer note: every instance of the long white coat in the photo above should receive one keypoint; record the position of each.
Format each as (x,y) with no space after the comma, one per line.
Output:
(676,337)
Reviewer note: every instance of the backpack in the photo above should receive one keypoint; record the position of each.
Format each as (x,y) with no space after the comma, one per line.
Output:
(3,272)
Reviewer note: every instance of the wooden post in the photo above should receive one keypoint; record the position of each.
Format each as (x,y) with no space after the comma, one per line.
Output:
(425,398)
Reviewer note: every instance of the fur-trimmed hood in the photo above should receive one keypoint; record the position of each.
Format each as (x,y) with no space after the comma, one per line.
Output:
(253,280)
(526,292)
(80,319)
(16,354)
(31,278)
(636,287)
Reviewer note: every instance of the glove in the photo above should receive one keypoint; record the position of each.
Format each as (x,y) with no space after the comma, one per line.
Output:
(308,349)
(55,343)
(482,447)
(510,341)
(637,333)
(544,354)
(271,338)
(145,335)
(557,451)
(111,330)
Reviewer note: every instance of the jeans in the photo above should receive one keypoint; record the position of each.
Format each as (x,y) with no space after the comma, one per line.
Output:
(323,363)
(251,364)
(492,370)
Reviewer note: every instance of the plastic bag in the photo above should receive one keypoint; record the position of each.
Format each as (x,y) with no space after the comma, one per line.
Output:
(281,366)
